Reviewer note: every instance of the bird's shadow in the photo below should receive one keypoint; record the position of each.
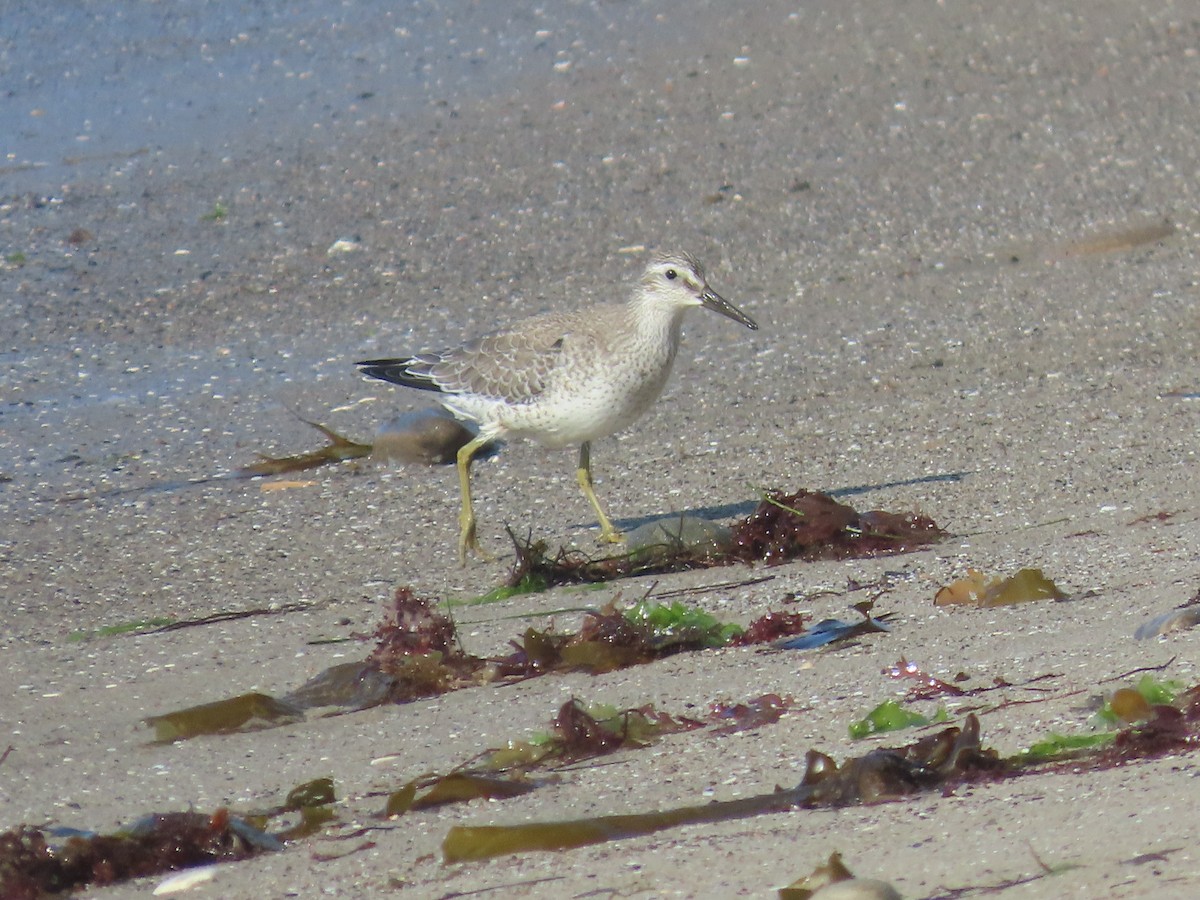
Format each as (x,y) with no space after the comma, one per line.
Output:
(744,508)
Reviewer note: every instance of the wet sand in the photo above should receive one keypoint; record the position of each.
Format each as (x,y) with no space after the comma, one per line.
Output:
(947,221)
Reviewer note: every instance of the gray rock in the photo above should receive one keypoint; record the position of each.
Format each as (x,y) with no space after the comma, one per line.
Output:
(676,533)
(431,437)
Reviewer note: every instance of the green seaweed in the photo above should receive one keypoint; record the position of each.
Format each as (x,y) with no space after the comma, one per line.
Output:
(891,716)
(123,628)
(1064,746)
(672,622)
(529,583)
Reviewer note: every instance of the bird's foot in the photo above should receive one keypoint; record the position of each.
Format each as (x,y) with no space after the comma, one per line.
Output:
(611,536)
(467,542)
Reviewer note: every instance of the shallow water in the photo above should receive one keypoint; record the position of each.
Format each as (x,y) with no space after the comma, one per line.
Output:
(90,86)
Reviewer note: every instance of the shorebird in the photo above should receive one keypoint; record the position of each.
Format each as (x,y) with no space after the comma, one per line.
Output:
(563,378)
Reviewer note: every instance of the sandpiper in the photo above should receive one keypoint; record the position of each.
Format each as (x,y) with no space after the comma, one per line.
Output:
(563,378)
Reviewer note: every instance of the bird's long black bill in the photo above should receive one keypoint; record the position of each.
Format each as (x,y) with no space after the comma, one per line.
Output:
(710,299)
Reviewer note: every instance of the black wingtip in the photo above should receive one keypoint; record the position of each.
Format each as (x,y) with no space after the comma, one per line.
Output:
(385,369)
(396,371)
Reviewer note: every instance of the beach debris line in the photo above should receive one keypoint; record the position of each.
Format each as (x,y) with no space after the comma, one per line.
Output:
(948,757)
(578,732)
(417,654)
(32,864)
(943,760)
(805,525)
(246,712)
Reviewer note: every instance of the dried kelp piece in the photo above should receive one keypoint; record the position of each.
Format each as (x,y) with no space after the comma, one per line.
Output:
(805,525)
(976,589)
(464,842)
(317,792)
(313,820)
(30,866)
(949,755)
(457,787)
(339,449)
(248,712)
(888,774)
(828,873)
(835,872)
(811,525)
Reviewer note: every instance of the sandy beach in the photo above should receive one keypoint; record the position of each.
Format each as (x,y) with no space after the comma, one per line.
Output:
(968,233)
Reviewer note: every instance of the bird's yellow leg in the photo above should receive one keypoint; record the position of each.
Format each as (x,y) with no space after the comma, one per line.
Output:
(466,515)
(584,476)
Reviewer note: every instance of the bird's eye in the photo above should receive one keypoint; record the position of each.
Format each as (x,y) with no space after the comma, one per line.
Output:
(671,274)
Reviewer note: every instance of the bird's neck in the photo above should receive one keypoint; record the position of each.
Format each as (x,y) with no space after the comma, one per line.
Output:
(655,317)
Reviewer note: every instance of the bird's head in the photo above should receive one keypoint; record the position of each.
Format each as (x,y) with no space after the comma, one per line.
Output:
(677,280)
